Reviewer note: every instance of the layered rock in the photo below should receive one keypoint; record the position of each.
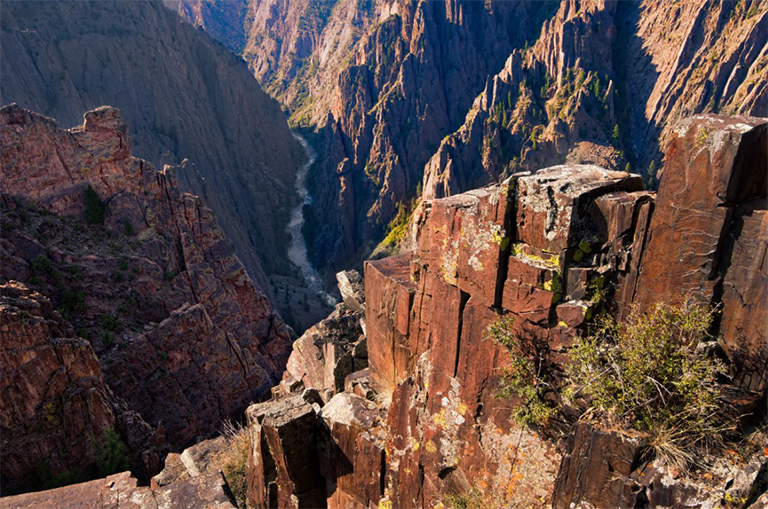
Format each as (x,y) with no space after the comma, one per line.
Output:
(333,349)
(56,404)
(185,97)
(709,243)
(181,333)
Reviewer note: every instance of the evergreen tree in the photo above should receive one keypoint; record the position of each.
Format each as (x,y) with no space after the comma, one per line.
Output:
(94,209)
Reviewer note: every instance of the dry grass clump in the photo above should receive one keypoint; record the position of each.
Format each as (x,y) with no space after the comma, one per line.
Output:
(234,460)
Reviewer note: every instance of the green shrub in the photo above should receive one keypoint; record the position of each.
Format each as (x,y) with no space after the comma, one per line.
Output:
(42,266)
(526,377)
(111,454)
(128,228)
(646,373)
(110,323)
(94,209)
(73,302)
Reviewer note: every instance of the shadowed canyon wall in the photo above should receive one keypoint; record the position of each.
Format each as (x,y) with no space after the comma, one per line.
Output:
(441,97)
(142,276)
(185,97)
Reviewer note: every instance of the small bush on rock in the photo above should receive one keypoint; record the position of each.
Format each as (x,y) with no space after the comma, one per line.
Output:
(526,376)
(112,454)
(649,374)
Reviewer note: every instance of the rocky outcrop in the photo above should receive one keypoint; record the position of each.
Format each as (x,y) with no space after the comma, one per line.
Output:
(56,404)
(330,351)
(179,329)
(710,243)
(583,91)
(187,99)
(197,483)
(546,250)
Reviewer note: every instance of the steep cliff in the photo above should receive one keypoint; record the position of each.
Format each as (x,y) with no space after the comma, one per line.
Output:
(137,268)
(185,97)
(605,83)
(58,414)
(437,429)
(386,83)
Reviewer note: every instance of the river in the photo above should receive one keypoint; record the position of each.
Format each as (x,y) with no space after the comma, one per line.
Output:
(297,251)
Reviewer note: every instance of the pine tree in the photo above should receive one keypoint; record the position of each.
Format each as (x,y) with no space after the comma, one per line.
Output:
(615,136)
(94,209)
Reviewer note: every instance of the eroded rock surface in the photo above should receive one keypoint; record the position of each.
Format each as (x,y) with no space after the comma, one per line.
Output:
(180,331)
(547,249)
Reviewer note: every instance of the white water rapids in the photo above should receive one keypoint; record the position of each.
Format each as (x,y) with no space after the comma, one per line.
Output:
(297,251)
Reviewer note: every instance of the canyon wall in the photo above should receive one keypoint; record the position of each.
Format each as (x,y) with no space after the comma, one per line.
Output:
(185,96)
(443,97)
(142,276)
(434,430)
(606,82)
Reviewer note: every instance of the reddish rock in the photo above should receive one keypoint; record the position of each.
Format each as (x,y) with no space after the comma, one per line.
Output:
(174,487)
(745,295)
(54,405)
(572,313)
(550,216)
(596,470)
(326,353)
(389,294)
(359,383)
(283,470)
(169,308)
(707,236)
(352,457)
(713,164)
(464,243)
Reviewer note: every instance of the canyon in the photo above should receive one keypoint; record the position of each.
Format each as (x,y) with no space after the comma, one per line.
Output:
(202,308)
(189,102)
(438,98)
(394,399)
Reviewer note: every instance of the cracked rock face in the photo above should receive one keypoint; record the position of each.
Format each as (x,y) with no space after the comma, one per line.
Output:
(181,333)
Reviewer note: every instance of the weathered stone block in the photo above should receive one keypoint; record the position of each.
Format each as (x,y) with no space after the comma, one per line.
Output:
(713,164)
(353,456)
(465,241)
(283,470)
(553,204)
(596,470)
(389,294)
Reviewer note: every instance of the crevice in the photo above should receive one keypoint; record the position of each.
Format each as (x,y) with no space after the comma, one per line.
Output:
(462,306)
(382,473)
(506,246)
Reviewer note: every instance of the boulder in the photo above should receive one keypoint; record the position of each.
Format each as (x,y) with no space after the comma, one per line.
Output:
(352,290)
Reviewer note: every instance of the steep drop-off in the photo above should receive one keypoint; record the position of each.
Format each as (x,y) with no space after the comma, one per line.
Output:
(137,268)
(386,83)
(605,83)
(425,420)
(185,96)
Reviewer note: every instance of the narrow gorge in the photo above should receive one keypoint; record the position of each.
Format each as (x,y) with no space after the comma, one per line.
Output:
(383,254)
